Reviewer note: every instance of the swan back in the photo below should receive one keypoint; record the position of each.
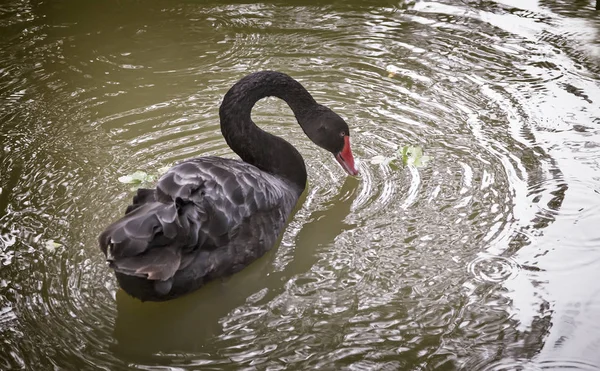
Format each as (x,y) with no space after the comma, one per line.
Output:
(210,214)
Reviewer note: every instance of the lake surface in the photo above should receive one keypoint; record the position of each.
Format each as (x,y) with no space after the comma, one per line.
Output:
(484,257)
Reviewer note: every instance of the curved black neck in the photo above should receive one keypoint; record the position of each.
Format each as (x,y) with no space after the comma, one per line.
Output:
(254,145)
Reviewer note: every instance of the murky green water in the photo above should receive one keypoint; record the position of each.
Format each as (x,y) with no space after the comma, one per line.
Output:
(486,258)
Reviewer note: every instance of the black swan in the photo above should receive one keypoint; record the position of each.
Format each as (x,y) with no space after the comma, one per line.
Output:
(209,217)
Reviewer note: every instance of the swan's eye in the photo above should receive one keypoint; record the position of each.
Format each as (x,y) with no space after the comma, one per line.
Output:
(342,134)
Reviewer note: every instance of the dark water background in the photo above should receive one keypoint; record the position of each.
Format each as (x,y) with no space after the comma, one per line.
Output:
(486,258)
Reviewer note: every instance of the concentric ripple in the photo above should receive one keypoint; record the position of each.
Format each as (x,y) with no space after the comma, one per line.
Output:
(494,269)
(476,259)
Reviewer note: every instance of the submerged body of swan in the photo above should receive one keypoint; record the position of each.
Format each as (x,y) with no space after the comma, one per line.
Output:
(210,217)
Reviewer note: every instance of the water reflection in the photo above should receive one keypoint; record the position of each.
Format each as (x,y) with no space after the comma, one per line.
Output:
(485,258)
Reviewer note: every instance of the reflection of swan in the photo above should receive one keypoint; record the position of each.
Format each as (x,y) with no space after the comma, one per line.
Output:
(210,217)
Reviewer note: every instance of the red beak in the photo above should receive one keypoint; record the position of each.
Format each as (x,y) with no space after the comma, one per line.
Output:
(345,158)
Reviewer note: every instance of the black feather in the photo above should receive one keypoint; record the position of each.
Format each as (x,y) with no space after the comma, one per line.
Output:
(202,221)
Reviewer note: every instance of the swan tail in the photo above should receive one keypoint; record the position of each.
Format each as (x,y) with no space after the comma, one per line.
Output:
(150,240)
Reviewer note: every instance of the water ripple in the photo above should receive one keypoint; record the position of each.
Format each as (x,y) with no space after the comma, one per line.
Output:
(524,364)
(403,268)
(494,269)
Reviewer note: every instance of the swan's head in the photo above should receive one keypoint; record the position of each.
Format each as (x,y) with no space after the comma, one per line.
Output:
(329,131)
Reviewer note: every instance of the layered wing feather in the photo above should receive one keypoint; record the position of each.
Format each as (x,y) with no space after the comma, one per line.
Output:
(200,213)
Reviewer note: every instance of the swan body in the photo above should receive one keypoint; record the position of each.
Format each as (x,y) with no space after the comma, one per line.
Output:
(210,217)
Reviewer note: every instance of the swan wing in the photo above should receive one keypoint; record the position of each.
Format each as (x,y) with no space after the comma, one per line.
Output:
(198,206)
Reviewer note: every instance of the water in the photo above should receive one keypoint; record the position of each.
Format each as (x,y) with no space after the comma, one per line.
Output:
(485,258)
